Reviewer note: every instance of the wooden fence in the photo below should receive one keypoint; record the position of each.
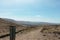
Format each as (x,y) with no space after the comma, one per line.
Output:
(12,33)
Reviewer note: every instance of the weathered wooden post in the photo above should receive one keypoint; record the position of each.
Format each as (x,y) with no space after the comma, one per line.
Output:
(12,32)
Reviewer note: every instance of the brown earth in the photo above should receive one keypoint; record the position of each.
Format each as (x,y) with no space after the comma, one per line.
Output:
(46,32)
(5,27)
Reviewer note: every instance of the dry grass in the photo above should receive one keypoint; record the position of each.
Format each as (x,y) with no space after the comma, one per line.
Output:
(51,29)
(44,32)
(38,33)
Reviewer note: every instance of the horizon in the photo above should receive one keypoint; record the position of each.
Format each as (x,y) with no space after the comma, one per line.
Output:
(30,21)
(31,10)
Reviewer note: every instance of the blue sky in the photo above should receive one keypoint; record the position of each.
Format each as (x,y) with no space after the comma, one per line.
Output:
(31,10)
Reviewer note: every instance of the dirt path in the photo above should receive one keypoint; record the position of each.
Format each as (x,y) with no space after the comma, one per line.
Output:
(37,35)
(33,35)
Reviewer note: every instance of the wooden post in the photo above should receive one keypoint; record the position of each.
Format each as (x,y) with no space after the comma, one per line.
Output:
(12,32)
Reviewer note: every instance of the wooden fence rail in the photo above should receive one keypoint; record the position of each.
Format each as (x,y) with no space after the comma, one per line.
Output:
(12,33)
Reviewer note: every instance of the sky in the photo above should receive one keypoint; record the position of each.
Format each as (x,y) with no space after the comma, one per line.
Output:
(31,10)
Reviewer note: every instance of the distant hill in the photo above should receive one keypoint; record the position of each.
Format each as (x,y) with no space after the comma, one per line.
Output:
(28,22)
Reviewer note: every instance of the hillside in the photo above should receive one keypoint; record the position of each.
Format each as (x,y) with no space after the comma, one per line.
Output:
(30,32)
(5,25)
(39,33)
